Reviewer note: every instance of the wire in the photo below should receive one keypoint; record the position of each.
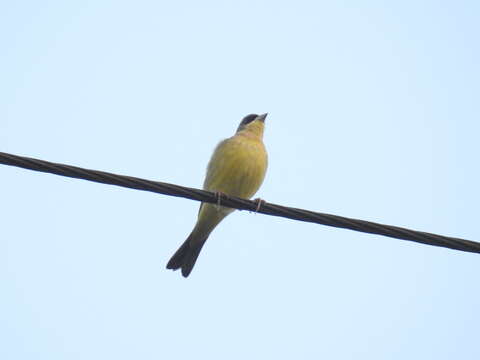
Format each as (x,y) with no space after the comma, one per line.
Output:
(238,203)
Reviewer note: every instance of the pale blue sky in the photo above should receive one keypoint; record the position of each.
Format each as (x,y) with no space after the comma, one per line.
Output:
(373,113)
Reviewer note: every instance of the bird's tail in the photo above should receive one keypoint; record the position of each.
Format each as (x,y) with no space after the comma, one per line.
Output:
(187,254)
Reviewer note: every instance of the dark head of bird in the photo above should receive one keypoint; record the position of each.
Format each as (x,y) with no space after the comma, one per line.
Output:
(249,119)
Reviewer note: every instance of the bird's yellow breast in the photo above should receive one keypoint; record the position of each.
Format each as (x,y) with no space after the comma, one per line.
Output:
(237,167)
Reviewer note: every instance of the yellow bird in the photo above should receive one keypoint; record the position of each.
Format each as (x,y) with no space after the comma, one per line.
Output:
(237,167)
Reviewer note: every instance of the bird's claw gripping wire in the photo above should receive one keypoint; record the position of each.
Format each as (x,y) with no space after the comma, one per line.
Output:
(259,204)
(218,195)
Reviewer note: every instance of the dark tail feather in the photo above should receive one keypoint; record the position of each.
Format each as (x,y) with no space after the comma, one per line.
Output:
(186,256)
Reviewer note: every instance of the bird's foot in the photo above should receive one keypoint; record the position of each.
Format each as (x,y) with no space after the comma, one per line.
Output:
(259,203)
(218,195)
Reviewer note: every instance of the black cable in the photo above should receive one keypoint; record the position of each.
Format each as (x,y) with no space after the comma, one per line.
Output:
(242,204)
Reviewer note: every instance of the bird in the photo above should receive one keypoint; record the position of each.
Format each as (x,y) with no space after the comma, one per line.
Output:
(237,168)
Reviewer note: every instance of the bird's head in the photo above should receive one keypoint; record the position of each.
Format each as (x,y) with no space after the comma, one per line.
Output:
(252,124)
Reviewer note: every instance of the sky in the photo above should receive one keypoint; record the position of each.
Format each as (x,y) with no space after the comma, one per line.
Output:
(373,114)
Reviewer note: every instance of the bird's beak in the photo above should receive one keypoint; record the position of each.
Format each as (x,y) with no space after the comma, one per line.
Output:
(261,117)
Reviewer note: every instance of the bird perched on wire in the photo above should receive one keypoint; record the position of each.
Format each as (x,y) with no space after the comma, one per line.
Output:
(237,168)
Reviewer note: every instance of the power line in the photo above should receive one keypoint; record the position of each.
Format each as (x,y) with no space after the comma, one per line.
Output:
(238,203)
